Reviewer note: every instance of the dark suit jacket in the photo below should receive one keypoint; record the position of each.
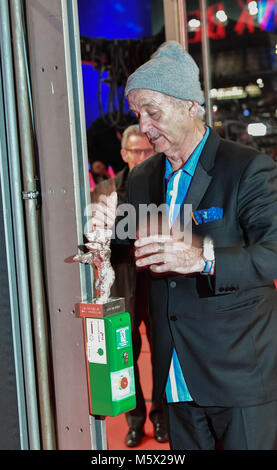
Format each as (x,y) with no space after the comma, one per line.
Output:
(224,328)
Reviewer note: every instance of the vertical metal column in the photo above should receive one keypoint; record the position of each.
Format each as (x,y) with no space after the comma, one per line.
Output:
(29,173)
(59,122)
(183,23)
(206,60)
(176,21)
(11,266)
(19,229)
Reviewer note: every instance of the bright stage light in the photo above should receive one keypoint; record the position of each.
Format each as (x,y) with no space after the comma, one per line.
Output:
(253,8)
(221,16)
(256,129)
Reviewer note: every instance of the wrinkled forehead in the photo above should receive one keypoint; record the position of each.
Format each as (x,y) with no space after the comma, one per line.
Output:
(141,98)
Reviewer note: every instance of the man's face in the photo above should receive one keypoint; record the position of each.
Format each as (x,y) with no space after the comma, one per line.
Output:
(137,149)
(165,123)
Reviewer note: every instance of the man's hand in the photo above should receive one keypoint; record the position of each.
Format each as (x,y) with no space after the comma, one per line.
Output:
(104,211)
(164,254)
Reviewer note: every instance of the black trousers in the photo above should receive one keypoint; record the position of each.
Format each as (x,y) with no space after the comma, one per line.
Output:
(192,427)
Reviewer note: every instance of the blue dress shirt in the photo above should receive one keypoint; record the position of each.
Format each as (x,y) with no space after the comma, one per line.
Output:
(177,185)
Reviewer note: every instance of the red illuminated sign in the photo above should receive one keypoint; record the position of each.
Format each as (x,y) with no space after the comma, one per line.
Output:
(246,21)
(215,29)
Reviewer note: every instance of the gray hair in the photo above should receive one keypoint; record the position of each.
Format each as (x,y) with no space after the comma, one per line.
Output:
(180,102)
(131,130)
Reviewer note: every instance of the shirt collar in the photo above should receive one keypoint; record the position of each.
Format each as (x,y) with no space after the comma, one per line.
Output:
(190,166)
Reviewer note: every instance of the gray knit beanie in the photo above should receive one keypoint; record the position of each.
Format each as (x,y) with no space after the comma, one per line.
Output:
(171,70)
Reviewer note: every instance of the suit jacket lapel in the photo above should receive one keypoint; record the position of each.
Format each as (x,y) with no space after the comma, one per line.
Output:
(198,187)
(202,178)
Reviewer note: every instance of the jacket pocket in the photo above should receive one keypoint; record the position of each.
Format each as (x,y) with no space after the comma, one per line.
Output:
(227,305)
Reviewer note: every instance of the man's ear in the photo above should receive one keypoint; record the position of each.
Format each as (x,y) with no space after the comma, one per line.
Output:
(124,155)
(193,108)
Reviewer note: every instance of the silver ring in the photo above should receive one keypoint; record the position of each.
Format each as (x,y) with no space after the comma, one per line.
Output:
(160,247)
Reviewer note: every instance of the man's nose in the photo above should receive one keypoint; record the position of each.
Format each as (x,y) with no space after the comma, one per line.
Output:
(143,124)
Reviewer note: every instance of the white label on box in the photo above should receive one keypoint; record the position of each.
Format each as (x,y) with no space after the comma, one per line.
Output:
(123,383)
(96,343)
(122,337)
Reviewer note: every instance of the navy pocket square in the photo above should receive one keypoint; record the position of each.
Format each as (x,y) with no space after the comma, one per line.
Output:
(207,215)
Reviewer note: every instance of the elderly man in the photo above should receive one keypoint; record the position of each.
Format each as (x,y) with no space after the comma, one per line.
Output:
(133,286)
(213,304)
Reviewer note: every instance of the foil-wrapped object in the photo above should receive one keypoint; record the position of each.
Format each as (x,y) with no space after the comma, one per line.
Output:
(99,255)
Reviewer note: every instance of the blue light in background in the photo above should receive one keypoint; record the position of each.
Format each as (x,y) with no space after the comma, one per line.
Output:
(267,15)
(125,19)
(119,7)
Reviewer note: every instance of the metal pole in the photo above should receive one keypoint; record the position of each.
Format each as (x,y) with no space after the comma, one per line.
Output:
(182,14)
(19,232)
(11,263)
(32,225)
(206,61)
